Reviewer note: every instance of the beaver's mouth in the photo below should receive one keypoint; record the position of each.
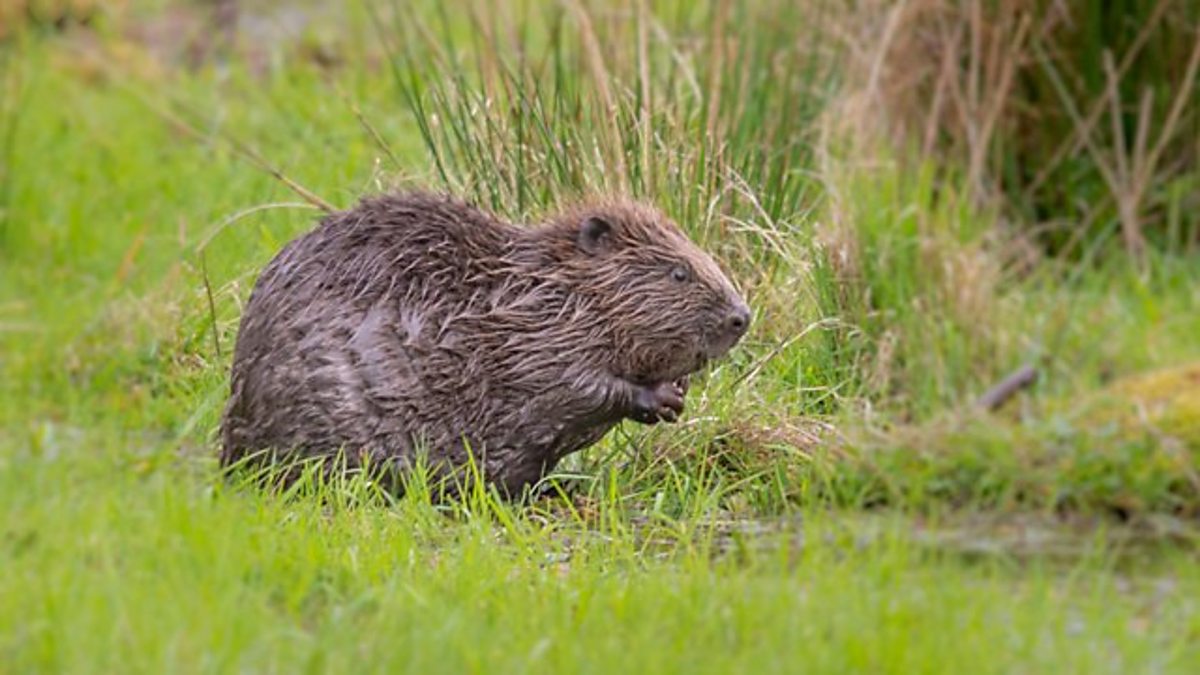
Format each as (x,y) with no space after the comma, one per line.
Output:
(661,392)
(717,346)
(677,373)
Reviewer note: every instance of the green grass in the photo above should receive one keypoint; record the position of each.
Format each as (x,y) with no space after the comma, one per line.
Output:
(794,520)
(145,572)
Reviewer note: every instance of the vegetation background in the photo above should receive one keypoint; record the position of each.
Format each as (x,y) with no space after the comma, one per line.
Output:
(919,197)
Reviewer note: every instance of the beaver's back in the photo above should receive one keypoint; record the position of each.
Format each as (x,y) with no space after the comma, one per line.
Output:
(344,319)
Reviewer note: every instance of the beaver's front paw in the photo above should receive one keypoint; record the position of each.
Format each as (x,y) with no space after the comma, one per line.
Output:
(662,402)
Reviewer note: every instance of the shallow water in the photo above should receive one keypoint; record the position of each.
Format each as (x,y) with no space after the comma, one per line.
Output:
(972,536)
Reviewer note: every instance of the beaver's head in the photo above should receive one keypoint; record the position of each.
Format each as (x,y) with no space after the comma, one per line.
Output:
(656,305)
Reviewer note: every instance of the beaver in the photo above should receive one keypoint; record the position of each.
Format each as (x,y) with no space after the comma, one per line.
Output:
(417,325)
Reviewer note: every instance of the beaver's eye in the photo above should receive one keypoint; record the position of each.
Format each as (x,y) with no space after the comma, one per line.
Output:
(680,273)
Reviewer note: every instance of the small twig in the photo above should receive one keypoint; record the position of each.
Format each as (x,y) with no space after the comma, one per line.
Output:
(1020,379)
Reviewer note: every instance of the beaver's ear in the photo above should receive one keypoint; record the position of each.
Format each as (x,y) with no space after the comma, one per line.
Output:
(595,236)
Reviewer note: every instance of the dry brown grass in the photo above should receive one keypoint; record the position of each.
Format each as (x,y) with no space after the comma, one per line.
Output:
(1023,96)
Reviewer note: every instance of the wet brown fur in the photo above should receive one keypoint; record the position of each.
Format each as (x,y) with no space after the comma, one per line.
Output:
(417,323)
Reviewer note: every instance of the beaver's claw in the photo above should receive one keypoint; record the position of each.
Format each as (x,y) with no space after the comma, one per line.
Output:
(662,402)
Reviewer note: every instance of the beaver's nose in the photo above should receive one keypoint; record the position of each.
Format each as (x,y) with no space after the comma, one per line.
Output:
(738,319)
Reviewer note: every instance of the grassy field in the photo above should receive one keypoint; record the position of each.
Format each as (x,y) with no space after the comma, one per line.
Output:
(833,501)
